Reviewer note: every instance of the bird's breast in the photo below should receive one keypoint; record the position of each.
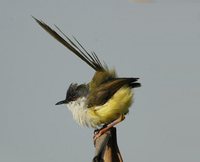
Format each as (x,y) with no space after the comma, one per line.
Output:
(104,114)
(79,111)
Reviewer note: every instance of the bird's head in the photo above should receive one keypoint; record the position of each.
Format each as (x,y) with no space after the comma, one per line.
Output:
(74,92)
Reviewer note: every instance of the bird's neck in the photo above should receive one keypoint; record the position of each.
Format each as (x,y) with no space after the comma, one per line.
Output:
(79,111)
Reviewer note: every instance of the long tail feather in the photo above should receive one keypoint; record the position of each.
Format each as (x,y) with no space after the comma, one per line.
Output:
(91,59)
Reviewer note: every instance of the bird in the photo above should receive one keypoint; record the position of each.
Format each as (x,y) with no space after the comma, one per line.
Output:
(106,99)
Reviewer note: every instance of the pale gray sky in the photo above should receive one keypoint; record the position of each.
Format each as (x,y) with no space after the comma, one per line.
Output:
(158,41)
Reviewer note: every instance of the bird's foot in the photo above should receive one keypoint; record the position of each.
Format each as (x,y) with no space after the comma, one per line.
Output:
(98,133)
(105,128)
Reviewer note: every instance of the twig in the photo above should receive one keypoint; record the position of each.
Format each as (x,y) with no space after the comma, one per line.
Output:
(106,148)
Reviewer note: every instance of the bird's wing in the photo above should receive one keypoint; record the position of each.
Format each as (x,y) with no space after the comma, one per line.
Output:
(105,91)
(90,58)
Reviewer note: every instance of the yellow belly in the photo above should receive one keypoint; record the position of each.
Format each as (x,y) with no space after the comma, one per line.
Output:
(119,104)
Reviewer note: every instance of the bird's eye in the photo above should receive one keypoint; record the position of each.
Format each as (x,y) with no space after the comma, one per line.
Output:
(73,98)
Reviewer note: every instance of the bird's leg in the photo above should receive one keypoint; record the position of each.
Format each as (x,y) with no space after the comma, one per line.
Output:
(96,131)
(104,129)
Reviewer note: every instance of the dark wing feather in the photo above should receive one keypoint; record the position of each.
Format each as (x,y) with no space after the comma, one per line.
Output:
(91,59)
(105,91)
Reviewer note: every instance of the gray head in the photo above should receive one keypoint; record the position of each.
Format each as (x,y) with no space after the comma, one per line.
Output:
(74,92)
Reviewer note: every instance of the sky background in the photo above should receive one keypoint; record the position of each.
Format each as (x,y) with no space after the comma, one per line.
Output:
(155,40)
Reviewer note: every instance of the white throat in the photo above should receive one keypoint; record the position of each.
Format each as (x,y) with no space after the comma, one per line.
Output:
(79,111)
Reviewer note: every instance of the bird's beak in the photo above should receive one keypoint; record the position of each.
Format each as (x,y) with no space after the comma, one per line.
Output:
(61,102)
